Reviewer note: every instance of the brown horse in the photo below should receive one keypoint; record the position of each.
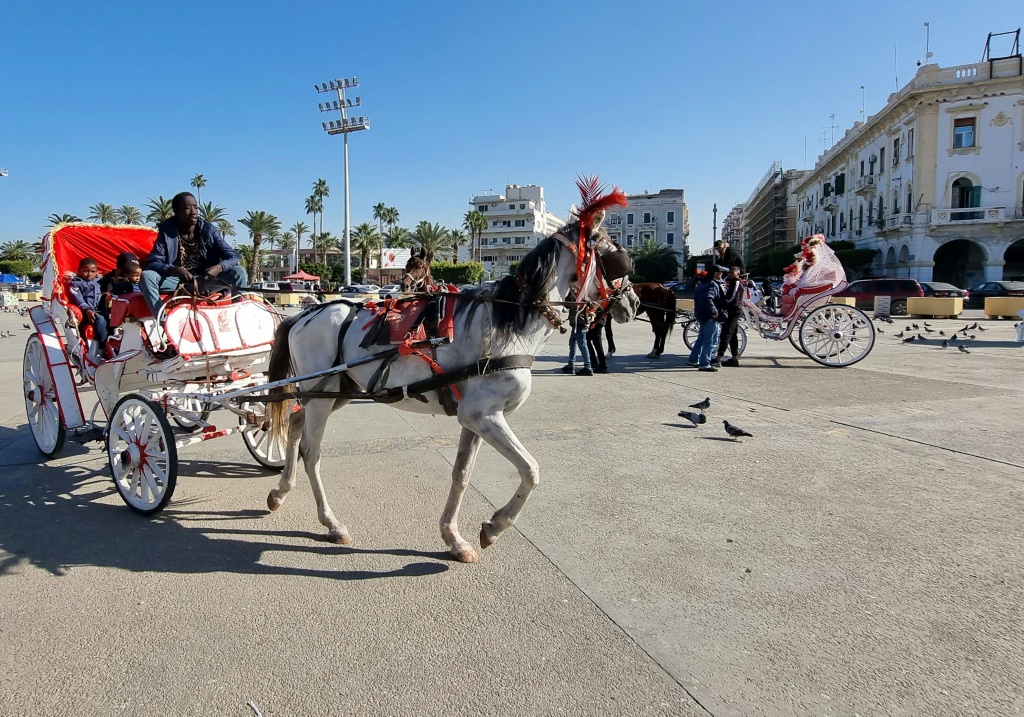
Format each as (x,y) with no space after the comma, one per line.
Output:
(417,275)
(660,305)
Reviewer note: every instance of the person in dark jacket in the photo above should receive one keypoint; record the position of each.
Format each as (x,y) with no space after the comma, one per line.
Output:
(705,311)
(579,322)
(732,305)
(594,343)
(86,295)
(191,252)
(727,257)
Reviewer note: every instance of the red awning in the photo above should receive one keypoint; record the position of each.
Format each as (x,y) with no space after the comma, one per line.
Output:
(301,276)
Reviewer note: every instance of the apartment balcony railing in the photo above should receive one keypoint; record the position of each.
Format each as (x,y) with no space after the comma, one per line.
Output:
(970,215)
(899,220)
(866,184)
(831,201)
(649,225)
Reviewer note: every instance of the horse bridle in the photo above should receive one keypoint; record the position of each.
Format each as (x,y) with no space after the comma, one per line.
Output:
(414,283)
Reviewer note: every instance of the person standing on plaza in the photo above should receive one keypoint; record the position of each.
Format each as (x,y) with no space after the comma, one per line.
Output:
(595,344)
(579,322)
(732,303)
(727,257)
(190,252)
(705,311)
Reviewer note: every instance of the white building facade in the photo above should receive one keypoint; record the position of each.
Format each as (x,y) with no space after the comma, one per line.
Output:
(934,182)
(662,217)
(516,221)
(733,227)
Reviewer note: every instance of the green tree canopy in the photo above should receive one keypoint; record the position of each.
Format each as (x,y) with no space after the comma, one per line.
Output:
(430,237)
(655,262)
(260,224)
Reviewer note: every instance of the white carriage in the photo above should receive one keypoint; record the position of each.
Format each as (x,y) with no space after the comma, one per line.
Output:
(830,334)
(180,366)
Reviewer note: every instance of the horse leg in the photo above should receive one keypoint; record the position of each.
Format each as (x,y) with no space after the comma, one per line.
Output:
(657,328)
(317,412)
(494,429)
(608,335)
(291,462)
(469,444)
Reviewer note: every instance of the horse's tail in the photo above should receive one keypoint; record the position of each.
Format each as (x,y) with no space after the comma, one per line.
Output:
(670,311)
(280,364)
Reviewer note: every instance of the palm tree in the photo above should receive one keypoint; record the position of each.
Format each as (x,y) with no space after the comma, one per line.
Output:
(365,238)
(159,209)
(457,237)
(321,191)
(475,223)
(314,205)
(199,181)
(380,212)
(260,224)
(127,214)
(400,238)
(244,254)
(226,227)
(56,219)
(102,213)
(299,229)
(431,238)
(654,261)
(212,212)
(15,251)
(391,217)
(286,242)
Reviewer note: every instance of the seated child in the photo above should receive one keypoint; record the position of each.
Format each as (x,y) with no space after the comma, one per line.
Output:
(126,281)
(126,262)
(85,294)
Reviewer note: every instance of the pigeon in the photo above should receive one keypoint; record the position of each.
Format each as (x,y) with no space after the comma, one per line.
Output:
(980,328)
(973,336)
(899,335)
(908,328)
(879,331)
(942,333)
(693,417)
(25,326)
(945,344)
(735,431)
(926,324)
(915,326)
(909,339)
(963,349)
(920,337)
(974,326)
(889,321)
(703,405)
(927,330)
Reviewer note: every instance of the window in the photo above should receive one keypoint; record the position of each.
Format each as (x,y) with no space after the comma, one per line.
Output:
(909,207)
(482,208)
(881,208)
(629,219)
(910,143)
(670,238)
(862,168)
(839,184)
(895,202)
(520,240)
(507,223)
(506,240)
(522,206)
(494,223)
(860,217)
(963,133)
(871,211)
(896,151)
(881,160)
(670,217)
(647,217)
(511,206)
(520,222)
(646,236)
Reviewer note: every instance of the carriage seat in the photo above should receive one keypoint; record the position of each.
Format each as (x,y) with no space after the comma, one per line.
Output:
(129,306)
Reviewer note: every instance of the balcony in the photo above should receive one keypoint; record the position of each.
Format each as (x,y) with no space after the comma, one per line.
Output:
(653,224)
(970,215)
(807,215)
(866,184)
(831,201)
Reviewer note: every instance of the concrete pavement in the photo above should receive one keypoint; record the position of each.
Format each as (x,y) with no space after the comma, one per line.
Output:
(860,555)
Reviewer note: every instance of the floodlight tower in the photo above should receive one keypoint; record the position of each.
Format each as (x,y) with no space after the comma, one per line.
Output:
(344,127)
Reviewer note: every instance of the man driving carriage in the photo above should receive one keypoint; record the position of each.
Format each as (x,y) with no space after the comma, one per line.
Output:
(190,252)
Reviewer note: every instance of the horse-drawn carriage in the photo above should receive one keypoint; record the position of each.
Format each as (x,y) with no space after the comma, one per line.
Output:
(217,348)
(830,334)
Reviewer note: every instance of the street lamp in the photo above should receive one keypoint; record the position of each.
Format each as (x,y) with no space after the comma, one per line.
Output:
(344,126)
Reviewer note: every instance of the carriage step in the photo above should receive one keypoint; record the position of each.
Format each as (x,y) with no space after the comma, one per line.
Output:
(772,335)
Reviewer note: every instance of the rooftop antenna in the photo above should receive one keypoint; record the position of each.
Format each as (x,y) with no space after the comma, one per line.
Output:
(895,67)
(927,43)
(862,103)
(832,122)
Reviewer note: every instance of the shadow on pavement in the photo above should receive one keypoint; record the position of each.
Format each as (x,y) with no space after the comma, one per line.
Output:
(50,518)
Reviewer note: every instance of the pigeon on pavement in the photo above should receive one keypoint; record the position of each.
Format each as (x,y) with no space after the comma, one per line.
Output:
(920,337)
(945,344)
(927,330)
(980,328)
(899,335)
(909,339)
(693,417)
(973,336)
(926,324)
(735,431)
(942,333)
(25,326)
(703,405)
(974,326)
(915,326)
(963,349)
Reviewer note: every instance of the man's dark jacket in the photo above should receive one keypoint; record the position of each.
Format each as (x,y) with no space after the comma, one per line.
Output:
(212,248)
(705,300)
(732,258)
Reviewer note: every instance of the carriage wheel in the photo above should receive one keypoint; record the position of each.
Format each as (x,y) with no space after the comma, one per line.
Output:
(690,330)
(200,409)
(266,449)
(836,335)
(142,454)
(794,338)
(44,418)
(741,339)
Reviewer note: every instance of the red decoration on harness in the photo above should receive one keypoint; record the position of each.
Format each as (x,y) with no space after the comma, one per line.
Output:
(406,349)
(593,199)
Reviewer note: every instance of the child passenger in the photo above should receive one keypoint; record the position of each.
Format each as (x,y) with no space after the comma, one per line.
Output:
(85,294)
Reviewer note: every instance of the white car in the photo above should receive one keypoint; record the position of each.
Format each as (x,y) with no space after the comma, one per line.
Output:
(390,289)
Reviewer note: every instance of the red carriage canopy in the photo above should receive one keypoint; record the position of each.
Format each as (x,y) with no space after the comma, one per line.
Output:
(103,242)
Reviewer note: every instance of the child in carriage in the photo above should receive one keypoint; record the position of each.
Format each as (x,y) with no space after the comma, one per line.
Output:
(86,295)
(126,277)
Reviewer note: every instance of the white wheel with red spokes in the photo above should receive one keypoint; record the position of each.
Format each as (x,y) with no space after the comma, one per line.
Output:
(268,450)
(142,454)
(41,406)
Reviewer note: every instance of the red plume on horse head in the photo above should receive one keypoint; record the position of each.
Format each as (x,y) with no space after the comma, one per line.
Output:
(594,199)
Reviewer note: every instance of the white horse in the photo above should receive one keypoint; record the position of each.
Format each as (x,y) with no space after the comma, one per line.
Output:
(514,318)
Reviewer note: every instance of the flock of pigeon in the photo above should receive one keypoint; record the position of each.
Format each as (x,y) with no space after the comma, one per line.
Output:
(698,419)
(927,328)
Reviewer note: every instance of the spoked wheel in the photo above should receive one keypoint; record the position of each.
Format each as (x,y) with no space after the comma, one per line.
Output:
(193,406)
(794,338)
(690,330)
(44,418)
(142,455)
(741,339)
(268,450)
(836,335)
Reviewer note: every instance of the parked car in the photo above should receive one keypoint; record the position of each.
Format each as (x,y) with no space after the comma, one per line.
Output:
(979,293)
(683,290)
(864,292)
(389,289)
(941,290)
(361,289)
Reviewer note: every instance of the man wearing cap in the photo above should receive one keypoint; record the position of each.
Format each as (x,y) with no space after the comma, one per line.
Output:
(728,257)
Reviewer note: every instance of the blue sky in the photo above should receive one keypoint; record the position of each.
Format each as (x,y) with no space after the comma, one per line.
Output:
(119,101)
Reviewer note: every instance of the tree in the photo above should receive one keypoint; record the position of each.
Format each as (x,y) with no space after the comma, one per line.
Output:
(400,238)
(380,213)
(226,227)
(475,223)
(159,209)
(22,267)
(15,251)
(655,262)
(259,224)
(127,214)
(313,205)
(56,219)
(365,238)
(321,191)
(286,242)
(199,181)
(457,237)
(430,237)
(212,212)
(244,254)
(102,213)
(329,242)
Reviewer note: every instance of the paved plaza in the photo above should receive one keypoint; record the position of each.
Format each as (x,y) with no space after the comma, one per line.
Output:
(862,554)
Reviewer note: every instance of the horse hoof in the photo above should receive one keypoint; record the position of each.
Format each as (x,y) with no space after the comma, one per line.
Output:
(486,539)
(468,555)
(273,502)
(339,537)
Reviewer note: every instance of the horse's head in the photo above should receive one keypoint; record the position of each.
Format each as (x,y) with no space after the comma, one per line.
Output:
(611,281)
(417,272)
